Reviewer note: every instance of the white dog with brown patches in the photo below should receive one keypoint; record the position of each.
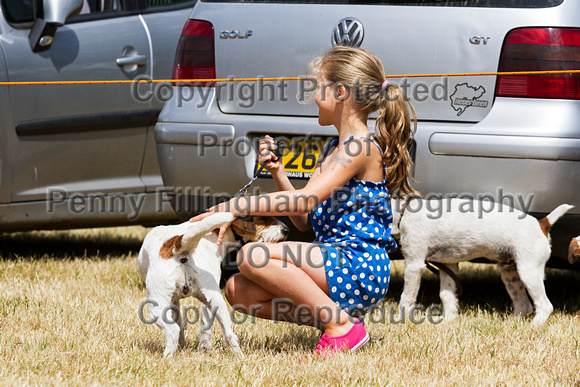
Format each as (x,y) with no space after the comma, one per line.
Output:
(468,229)
(184,260)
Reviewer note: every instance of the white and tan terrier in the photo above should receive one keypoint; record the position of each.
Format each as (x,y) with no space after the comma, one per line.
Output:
(184,260)
(519,243)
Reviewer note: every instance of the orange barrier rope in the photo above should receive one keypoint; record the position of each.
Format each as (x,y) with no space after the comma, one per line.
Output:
(276,78)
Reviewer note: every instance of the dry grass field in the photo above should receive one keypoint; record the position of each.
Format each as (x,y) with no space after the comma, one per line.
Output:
(68,316)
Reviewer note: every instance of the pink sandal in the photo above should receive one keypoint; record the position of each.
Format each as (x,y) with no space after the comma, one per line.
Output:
(353,340)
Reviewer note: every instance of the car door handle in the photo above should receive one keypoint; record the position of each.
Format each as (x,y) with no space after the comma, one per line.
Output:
(138,60)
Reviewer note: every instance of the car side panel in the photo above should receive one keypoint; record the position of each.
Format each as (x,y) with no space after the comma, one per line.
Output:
(5,168)
(79,138)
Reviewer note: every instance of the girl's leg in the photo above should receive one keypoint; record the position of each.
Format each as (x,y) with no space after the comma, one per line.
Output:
(248,297)
(290,270)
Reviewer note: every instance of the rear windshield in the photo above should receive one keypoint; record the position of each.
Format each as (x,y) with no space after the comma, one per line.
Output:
(431,3)
(22,11)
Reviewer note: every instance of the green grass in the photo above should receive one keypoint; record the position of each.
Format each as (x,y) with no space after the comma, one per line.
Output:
(68,315)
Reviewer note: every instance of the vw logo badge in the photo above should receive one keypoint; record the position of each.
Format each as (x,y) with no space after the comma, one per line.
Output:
(348,32)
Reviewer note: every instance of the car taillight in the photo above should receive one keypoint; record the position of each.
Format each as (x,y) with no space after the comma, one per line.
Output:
(195,56)
(540,49)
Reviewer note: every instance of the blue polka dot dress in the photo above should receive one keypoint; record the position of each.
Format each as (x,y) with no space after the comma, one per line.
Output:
(353,229)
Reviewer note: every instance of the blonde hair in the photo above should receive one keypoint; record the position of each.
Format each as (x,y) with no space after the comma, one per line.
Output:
(363,73)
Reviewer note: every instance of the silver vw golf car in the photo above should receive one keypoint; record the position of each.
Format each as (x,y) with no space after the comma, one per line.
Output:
(510,138)
(83,155)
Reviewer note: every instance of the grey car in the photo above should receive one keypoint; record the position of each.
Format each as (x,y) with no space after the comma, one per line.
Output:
(512,138)
(83,155)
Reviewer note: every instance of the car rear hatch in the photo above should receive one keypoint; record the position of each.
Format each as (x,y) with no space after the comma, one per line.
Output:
(279,39)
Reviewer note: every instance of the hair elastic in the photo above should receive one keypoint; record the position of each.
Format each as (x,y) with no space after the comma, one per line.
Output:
(384,86)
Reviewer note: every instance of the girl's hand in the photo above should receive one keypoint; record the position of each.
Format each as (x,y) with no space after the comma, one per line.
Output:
(265,154)
(197,218)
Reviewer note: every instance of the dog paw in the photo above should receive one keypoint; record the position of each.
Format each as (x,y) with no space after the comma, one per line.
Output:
(539,320)
(521,314)
(237,353)
(449,317)
(168,353)
(404,309)
(205,345)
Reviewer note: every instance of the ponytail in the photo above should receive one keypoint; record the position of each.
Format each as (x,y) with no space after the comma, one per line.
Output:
(394,134)
(363,72)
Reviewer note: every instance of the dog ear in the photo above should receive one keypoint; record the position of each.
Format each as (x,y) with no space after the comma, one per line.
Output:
(199,229)
(244,228)
(574,251)
(170,246)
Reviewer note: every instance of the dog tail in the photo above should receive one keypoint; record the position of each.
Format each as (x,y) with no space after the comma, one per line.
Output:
(547,222)
(199,229)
